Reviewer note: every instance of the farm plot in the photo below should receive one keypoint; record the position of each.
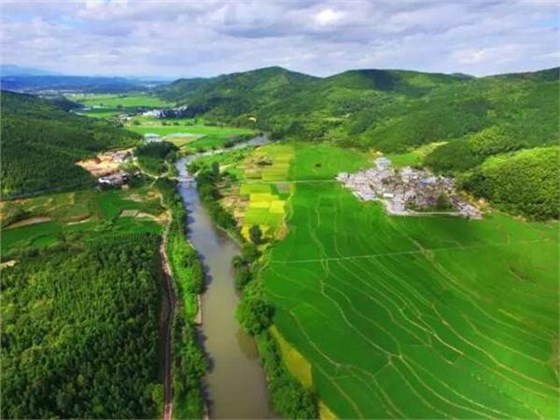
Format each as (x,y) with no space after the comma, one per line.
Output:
(110,105)
(189,136)
(78,214)
(263,193)
(110,100)
(423,317)
(413,157)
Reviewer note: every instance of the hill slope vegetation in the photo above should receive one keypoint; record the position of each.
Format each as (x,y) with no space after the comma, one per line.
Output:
(41,142)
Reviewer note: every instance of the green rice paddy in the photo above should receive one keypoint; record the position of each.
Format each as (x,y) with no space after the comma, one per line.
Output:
(414,317)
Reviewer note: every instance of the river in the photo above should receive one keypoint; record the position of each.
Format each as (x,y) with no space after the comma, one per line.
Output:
(235,385)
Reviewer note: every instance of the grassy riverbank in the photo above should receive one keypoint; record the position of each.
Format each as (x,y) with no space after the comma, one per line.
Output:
(287,396)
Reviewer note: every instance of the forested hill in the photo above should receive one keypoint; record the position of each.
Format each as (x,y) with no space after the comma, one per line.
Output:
(41,142)
(391,110)
(257,92)
(231,95)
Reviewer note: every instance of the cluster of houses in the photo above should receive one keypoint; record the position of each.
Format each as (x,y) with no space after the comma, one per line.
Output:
(408,190)
(116,179)
(120,177)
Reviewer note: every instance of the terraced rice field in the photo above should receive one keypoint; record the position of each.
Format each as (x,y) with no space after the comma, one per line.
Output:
(414,317)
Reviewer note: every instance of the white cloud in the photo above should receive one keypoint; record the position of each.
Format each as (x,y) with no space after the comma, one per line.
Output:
(328,17)
(470,56)
(319,37)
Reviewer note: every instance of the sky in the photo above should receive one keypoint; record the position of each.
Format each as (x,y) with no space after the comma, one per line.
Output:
(170,39)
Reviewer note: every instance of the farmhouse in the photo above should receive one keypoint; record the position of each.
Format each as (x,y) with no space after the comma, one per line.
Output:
(155,113)
(115,180)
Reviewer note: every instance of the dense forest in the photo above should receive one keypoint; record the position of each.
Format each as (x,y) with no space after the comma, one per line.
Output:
(80,331)
(396,111)
(387,109)
(41,142)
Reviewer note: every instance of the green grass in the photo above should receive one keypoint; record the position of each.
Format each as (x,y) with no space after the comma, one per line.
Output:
(324,162)
(414,316)
(102,113)
(157,127)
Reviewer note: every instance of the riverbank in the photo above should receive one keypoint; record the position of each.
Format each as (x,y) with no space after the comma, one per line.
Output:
(287,395)
(235,385)
(187,361)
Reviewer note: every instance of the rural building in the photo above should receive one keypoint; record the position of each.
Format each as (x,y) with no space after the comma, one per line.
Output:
(116,179)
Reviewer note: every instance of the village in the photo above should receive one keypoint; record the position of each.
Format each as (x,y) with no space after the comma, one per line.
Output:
(408,191)
(108,168)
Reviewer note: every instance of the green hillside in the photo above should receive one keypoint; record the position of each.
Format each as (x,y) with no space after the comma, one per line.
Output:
(41,142)
(80,330)
(231,95)
(391,110)
(526,181)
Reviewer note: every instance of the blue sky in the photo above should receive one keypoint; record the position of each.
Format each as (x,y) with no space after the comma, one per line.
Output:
(205,38)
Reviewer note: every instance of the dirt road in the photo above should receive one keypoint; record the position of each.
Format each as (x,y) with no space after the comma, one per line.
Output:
(168,377)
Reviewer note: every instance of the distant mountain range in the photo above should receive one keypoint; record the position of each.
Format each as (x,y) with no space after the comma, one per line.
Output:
(34,80)
(13,70)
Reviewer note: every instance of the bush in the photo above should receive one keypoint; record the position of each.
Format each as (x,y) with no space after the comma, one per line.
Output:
(254,314)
